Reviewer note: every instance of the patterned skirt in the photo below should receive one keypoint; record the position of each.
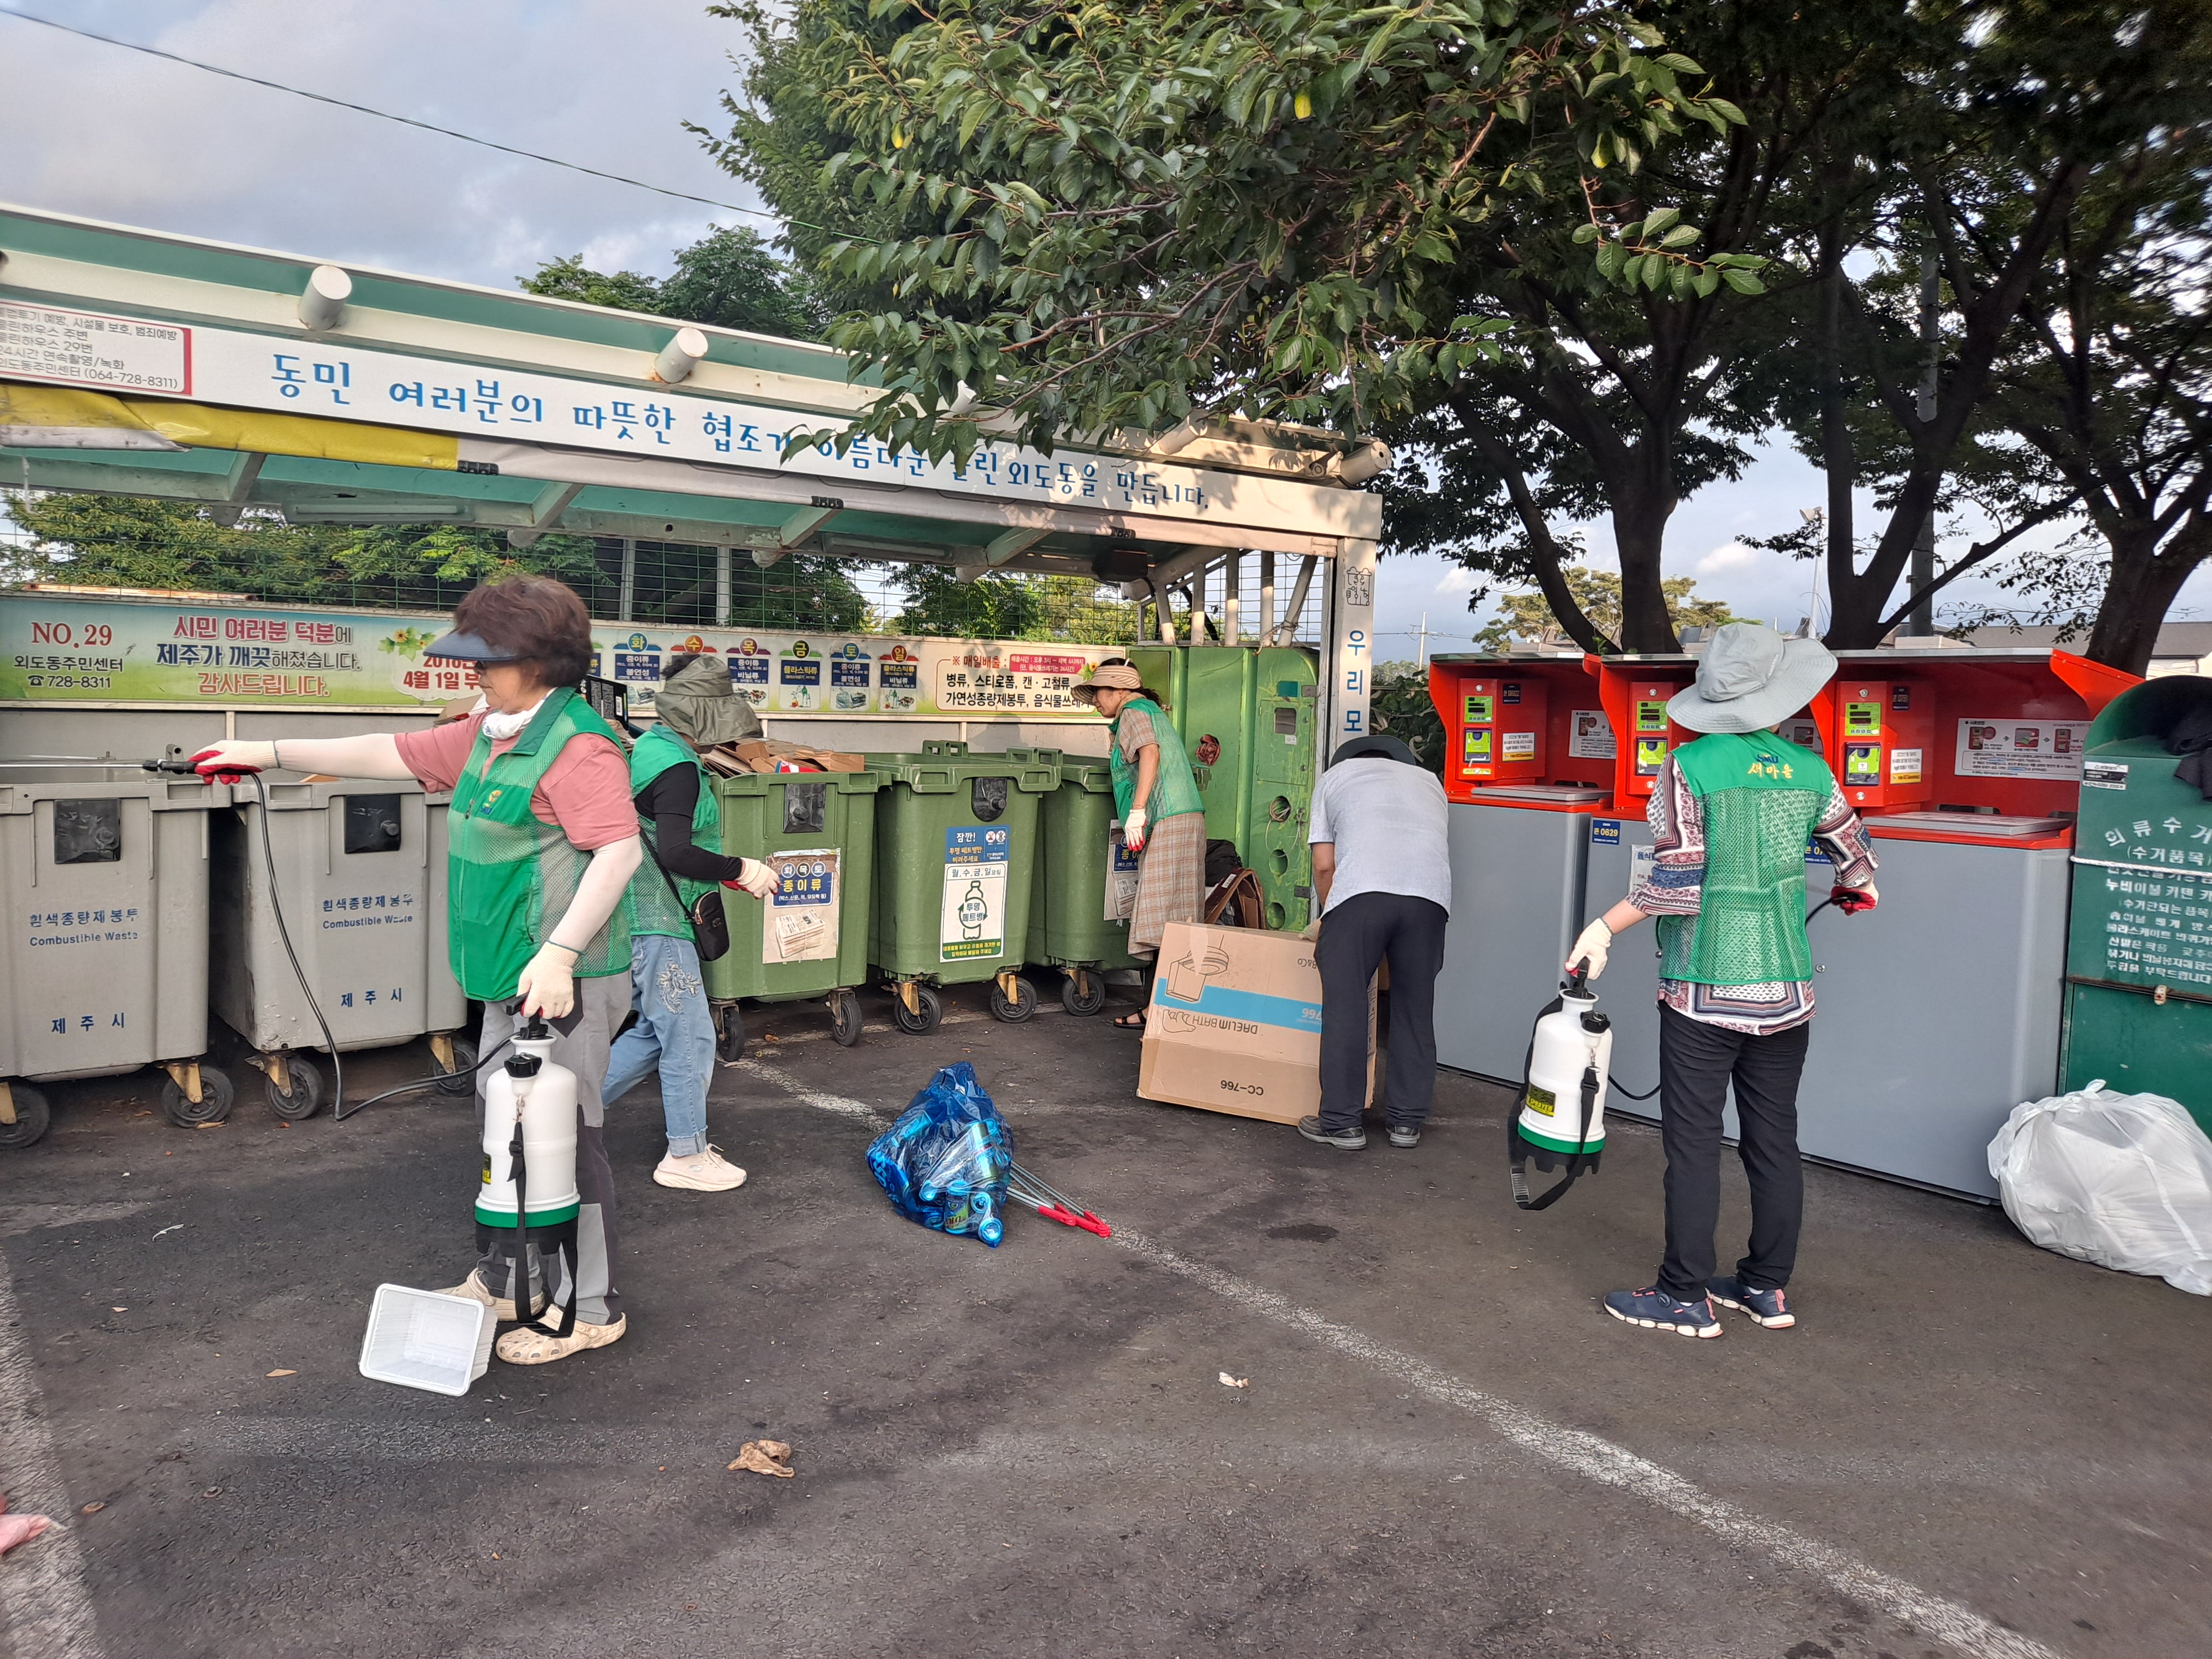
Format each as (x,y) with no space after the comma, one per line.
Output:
(1171,880)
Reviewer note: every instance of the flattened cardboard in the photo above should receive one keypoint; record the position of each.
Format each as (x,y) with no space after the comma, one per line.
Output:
(1235,1024)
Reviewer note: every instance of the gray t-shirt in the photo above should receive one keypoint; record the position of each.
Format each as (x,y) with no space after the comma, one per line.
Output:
(1387,820)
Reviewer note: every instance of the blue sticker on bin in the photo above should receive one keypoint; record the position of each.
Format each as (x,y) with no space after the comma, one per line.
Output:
(1604,832)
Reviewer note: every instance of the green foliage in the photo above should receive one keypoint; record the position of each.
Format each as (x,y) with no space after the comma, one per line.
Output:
(1100,218)
(1399,703)
(730,278)
(1527,617)
(123,541)
(1010,607)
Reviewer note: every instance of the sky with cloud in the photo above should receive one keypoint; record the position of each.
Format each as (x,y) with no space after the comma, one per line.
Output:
(94,130)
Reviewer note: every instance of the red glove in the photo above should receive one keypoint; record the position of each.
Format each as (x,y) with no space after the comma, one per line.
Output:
(1852,900)
(229,761)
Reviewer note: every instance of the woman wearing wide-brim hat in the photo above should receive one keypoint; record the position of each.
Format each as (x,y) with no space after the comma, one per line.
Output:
(1156,797)
(1730,815)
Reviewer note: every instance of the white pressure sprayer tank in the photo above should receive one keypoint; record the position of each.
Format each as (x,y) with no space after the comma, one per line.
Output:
(1561,1122)
(534,1095)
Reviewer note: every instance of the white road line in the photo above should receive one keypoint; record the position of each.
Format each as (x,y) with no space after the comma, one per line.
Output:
(43,1610)
(1572,1449)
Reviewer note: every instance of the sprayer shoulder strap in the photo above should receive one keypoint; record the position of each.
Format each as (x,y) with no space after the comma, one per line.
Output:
(1517,1155)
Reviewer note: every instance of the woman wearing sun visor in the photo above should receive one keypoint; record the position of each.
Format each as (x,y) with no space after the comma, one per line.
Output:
(543,841)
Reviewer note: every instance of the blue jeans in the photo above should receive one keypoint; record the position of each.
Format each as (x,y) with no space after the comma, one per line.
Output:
(674,1035)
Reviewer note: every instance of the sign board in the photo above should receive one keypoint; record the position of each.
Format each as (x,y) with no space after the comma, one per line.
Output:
(972,925)
(289,376)
(2021,749)
(802,914)
(2157,928)
(63,648)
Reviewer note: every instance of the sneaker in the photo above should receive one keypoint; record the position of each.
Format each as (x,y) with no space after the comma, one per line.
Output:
(529,1346)
(703,1172)
(1351,1140)
(1656,1311)
(476,1290)
(1767,1308)
(1405,1134)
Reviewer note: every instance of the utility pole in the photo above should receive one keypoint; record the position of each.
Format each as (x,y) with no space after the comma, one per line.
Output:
(1424,639)
(1922,619)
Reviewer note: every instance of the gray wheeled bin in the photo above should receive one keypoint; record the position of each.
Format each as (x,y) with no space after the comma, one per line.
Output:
(360,874)
(106,966)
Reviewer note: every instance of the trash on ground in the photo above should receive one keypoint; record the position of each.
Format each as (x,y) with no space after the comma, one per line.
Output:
(92,1509)
(1229,1381)
(765,1457)
(283,1373)
(18,1528)
(945,1162)
(2123,1180)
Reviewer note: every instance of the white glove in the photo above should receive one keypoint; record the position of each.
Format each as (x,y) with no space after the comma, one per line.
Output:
(1593,942)
(231,759)
(1133,829)
(548,985)
(757,878)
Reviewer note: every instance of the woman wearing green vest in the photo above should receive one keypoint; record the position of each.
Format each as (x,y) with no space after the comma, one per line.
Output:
(1731,814)
(1156,794)
(680,817)
(541,844)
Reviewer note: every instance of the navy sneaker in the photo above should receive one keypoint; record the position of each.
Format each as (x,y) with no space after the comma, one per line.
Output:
(1351,1140)
(1768,1308)
(1656,1311)
(1405,1134)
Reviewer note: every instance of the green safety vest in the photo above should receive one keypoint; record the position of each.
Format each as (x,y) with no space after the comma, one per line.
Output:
(1760,797)
(1174,790)
(510,878)
(653,910)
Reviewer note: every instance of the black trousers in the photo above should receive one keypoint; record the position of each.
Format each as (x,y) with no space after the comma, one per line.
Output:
(1697,1063)
(1356,937)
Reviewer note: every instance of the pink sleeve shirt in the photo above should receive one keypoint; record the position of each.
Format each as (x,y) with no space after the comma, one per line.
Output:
(584,793)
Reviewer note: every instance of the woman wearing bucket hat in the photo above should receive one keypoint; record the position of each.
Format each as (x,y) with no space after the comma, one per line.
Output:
(542,843)
(1730,816)
(1156,795)
(680,817)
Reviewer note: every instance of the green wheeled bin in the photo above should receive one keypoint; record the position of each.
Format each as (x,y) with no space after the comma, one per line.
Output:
(1085,882)
(2139,939)
(811,940)
(956,848)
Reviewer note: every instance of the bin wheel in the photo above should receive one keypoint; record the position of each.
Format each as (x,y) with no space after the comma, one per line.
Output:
(305,1098)
(922,1022)
(730,1032)
(1083,992)
(1021,1007)
(217,1098)
(462,1079)
(845,1018)
(33,1116)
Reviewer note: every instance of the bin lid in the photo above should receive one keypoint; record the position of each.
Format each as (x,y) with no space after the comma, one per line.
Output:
(1560,794)
(1975,824)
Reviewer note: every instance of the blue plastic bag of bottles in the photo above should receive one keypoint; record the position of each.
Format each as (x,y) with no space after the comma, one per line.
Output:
(945,1163)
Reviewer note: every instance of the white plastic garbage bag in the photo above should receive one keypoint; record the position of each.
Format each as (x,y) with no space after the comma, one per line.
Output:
(2123,1180)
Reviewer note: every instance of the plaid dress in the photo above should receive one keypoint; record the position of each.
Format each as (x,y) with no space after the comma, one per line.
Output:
(1171,869)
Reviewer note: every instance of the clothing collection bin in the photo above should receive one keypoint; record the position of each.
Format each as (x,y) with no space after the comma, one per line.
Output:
(360,876)
(1248,714)
(811,940)
(955,853)
(1530,760)
(106,969)
(2139,947)
(1939,1011)
(1085,882)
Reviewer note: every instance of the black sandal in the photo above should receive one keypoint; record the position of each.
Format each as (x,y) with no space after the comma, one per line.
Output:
(1133,1021)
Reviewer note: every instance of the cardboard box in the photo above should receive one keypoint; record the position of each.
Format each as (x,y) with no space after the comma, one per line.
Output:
(1235,1024)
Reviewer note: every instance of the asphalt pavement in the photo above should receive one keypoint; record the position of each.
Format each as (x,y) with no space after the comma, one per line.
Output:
(1969,1447)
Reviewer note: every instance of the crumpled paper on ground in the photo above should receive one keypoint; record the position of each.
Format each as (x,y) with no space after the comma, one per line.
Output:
(765,1457)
